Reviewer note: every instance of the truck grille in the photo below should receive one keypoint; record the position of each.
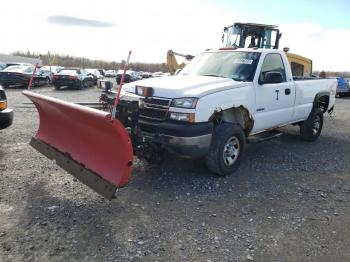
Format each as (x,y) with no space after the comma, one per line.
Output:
(155,108)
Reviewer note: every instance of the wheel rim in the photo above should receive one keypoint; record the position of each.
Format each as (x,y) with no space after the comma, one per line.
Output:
(231,151)
(316,125)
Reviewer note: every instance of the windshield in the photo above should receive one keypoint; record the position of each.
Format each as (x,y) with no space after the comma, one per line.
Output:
(68,71)
(239,66)
(22,69)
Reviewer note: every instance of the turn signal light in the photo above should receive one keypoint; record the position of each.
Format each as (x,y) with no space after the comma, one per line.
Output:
(186,117)
(144,91)
(3,105)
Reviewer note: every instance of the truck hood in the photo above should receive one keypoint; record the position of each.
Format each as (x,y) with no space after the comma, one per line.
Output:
(185,85)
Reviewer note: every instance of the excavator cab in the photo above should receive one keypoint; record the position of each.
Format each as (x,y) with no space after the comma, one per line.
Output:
(248,35)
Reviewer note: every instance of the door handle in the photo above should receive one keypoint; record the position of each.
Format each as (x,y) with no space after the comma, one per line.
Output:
(287,91)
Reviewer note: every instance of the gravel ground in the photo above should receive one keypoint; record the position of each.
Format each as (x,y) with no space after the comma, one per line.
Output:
(289,201)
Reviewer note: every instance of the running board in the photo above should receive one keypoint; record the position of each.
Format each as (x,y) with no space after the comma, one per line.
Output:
(89,178)
(265,136)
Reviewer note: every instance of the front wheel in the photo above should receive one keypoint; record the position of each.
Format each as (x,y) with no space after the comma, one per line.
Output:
(311,128)
(226,149)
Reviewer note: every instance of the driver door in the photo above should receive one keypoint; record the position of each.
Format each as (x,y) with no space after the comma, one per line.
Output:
(274,102)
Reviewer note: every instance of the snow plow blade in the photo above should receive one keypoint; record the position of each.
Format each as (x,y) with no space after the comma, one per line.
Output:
(85,142)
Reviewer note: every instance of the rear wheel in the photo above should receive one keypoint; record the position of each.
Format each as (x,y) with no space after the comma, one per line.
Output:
(311,128)
(226,149)
(82,85)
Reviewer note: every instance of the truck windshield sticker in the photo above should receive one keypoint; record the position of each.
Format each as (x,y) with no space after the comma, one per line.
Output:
(243,61)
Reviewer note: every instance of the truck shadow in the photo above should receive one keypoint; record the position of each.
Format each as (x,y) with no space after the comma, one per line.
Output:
(267,160)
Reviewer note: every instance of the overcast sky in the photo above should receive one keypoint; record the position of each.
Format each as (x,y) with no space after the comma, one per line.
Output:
(106,30)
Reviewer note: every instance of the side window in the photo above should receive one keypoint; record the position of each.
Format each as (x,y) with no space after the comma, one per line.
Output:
(297,69)
(273,62)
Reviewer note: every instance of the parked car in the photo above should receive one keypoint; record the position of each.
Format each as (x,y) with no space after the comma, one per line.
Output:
(18,64)
(95,73)
(130,76)
(342,87)
(157,74)
(111,73)
(2,66)
(146,75)
(19,75)
(73,77)
(49,71)
(102,71)
(6,114)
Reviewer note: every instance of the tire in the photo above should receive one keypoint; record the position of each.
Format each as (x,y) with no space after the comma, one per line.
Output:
(82,85)
(57,87)
(311,128)
(226,149)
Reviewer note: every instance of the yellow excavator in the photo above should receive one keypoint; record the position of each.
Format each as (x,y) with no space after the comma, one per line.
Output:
(250,35)
(173,64)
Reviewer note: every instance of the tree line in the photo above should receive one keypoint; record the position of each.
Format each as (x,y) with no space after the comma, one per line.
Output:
(324,74)
(83,62)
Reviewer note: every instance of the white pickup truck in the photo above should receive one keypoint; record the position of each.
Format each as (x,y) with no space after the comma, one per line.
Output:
(220,101)
(224,97)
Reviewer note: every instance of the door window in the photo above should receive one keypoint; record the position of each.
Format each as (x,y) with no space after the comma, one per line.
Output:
(273,63)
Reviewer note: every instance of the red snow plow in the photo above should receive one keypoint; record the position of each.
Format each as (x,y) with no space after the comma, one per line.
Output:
(71,135)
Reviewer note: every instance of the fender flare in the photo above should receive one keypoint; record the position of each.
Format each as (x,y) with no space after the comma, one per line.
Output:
(317,98)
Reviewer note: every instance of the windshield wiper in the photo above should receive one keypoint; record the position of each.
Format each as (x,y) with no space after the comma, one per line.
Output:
(215,76)
(238,79)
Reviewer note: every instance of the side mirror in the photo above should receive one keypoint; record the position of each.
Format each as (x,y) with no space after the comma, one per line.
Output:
(271,78)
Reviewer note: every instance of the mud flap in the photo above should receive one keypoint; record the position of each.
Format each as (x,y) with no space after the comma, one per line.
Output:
(85,142)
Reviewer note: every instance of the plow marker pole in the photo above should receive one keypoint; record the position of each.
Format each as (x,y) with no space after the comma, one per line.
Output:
(114,112)
(31,79)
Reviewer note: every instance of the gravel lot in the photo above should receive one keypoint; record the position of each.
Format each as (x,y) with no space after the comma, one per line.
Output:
(289,201)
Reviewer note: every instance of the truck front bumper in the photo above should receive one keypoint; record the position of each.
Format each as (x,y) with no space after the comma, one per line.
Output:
(6,118)
(192,140)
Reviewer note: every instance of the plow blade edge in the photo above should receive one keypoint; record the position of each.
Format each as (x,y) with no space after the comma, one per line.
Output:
(85,142)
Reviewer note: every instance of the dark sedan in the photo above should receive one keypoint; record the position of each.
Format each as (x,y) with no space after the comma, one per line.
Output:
(6,114)
(130,76)
(19,75)
(73,77)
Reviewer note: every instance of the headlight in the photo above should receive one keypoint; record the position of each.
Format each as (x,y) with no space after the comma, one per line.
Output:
(186,117)
(188,102)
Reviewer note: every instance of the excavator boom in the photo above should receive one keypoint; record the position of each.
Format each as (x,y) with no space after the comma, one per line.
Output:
(173,64)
